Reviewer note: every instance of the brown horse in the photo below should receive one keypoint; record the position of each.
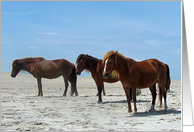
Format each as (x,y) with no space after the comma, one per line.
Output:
(95,66)
(41,68)
(134,75)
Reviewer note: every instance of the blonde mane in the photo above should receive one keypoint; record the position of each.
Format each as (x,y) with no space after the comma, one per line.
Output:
(114,73)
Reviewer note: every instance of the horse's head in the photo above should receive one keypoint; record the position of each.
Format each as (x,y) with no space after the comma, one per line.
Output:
(15,68)
(81,63)
(109,63)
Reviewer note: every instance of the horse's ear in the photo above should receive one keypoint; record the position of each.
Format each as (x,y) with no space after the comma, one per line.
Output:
(115,52)
(85,55)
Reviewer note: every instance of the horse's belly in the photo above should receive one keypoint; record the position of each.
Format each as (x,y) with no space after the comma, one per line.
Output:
(111,80)
(139,83)
(51,77)
(51,74)
(146,83)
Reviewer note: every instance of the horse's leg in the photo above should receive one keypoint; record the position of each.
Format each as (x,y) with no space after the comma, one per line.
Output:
(138,91)
(128,96)
(164,96)
(73,81)
(130,92)
(99,85)
(153,91)
(160,96)
(66,85)
(134,100)
(39,87)
(104,93)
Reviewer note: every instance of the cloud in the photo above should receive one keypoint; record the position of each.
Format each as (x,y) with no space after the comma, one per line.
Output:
(17,13)
(48,33)
(157,42)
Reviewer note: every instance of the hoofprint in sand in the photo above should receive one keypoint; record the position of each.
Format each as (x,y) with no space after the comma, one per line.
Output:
(21,109)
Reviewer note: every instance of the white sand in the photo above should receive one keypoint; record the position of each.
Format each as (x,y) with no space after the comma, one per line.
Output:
(21,109)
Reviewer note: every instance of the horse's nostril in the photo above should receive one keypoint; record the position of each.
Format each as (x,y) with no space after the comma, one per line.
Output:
(105,75)
(12,75)
(78,72)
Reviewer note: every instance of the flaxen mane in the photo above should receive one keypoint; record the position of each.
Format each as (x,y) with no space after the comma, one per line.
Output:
(114,73)
(108,54)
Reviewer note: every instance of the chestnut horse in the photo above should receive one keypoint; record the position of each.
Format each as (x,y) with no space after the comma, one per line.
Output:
(140,75)
(41,68)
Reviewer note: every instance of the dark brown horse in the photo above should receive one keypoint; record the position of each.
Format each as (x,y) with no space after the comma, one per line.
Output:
(134,75)
(95,66)
(41,68)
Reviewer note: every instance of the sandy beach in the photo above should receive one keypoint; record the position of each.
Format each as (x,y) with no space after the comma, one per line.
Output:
(21,109)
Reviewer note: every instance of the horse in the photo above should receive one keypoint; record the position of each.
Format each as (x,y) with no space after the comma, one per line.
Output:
(94,65)
(41,68)
(133,74)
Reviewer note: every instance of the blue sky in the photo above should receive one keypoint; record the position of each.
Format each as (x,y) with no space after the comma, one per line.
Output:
(53,30)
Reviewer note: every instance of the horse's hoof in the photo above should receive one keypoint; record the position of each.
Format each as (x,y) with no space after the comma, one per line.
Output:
(100,101)
(134,112)
(129,111)
(104,94)
(64,95)
(97,94)
(151,110)
(165,110)
(76,94)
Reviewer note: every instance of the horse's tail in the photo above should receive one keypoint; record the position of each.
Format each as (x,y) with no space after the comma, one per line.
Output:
(168,78)
(73,80)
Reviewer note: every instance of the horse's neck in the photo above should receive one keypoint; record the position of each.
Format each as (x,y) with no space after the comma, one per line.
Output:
(122,64)
(26,65)
(91,65)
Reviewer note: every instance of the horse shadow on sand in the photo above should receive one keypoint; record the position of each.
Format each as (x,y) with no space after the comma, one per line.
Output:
(124,101)
(155,113)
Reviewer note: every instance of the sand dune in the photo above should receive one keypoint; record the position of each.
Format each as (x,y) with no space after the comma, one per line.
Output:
(21,109)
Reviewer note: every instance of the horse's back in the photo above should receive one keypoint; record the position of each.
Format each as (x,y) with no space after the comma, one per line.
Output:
(147,72)
(160,69)
(53,68)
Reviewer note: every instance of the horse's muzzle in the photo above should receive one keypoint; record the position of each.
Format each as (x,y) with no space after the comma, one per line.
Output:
(13,75)
(78,73)
(106,75)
